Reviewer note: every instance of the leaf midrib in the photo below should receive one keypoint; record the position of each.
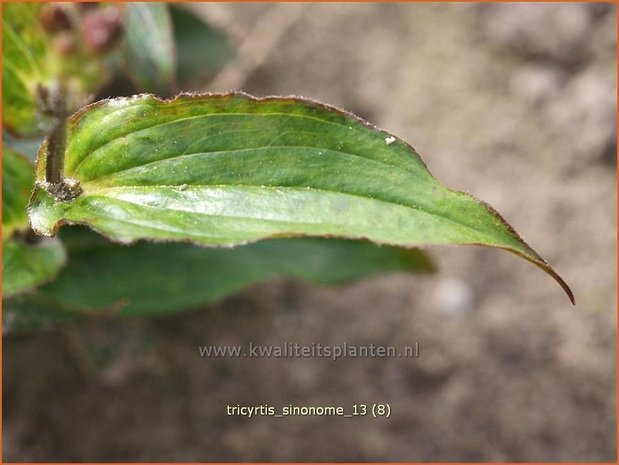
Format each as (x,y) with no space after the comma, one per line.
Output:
(101,193)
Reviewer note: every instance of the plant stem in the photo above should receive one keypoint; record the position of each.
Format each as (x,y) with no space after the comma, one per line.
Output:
(53,102)
(53,109)
(56,146)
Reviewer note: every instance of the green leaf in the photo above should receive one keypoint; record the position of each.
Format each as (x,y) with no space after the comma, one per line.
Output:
(222,170)
(195,38)
(17,184)
(103,279)
(149,46)
(25,49)
(24,265)
(160,278)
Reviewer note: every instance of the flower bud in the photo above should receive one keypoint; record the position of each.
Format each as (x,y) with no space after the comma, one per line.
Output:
(101,29)
(53,18)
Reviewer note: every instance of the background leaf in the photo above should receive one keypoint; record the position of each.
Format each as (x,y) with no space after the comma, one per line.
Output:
(231,169)
(26,262)
(25,51)
(195,38)
(25,266)
(17,185)
(103,278)
(149,47)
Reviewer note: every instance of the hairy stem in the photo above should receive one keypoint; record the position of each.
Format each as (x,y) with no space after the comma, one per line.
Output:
(53,110)
(56,146)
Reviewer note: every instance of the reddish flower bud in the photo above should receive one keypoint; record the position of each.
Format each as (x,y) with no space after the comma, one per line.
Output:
(87,5)
(54,18)
(101,29)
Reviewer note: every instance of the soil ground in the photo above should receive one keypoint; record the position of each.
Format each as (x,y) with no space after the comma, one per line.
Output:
(514,103)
